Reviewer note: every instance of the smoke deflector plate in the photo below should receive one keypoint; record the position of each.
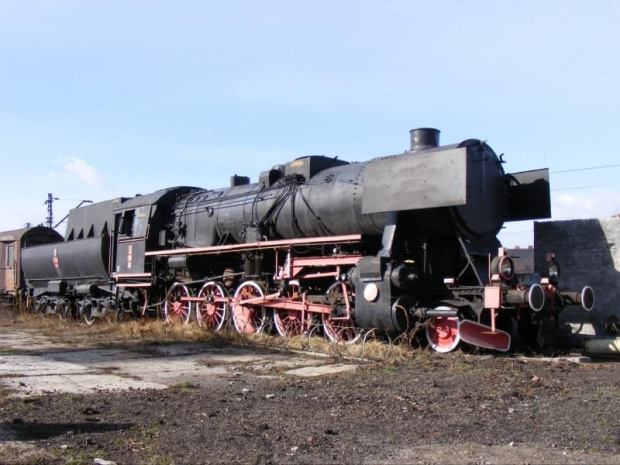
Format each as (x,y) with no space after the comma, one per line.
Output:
(416,181)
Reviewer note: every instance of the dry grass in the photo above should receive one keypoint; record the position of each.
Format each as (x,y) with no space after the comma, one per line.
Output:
(370,345)
(18,453)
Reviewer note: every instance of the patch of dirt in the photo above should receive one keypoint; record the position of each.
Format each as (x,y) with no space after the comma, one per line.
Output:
(430,408)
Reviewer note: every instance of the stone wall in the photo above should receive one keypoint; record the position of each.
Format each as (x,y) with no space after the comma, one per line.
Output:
(588,253)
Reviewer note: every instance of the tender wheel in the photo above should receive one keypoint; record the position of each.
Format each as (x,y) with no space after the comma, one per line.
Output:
(210,314)
(123,315)
(248,318)
(442,333)
(43,307)
(176,311)
(63,310)
(108,313)
(336,327)
(87,314)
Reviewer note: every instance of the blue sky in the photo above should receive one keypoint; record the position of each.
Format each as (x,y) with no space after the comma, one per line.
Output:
(102,99)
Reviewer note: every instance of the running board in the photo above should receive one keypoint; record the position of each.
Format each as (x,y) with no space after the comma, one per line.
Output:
(261,245)
(481,335)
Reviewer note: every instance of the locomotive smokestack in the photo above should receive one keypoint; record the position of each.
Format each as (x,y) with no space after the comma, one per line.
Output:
(424,138)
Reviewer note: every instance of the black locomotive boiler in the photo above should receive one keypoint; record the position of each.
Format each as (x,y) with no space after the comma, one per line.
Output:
(386,244)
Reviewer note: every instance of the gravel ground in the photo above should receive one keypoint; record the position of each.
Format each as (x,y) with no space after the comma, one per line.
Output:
(431,408)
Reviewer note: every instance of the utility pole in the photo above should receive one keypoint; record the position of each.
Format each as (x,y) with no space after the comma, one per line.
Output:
(49,221)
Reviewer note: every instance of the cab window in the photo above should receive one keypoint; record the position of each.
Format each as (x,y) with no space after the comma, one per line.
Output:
(127,223)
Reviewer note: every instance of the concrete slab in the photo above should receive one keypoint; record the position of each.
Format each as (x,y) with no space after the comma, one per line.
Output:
(78,369)
(24,365)
(166,371)
(28,341)
(75,384)
(95,357)
(321,370)
(174,350)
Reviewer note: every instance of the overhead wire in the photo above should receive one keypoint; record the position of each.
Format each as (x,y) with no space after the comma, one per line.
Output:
(584,187)
(588,168)
(574,170)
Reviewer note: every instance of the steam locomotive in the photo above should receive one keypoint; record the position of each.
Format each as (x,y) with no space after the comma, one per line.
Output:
(389,244)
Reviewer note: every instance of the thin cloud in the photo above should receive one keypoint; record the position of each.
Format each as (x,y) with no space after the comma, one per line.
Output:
(600,205)
(74,166)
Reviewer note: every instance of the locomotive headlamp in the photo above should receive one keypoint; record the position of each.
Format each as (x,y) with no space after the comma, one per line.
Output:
(371,292)
(504,267)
